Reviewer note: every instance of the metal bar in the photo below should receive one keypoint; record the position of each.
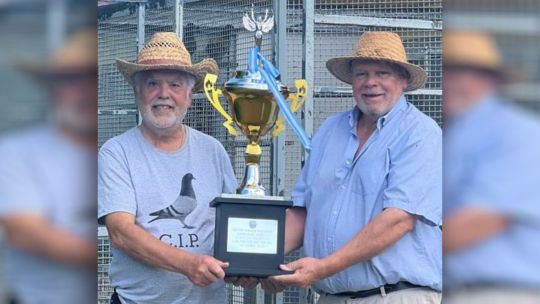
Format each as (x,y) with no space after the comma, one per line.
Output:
(308,68)
(56,23)
(179,18)
(503,23)
(280,60)
(102,231)
(380,22)
(348,90)
(259,295)
(141,12)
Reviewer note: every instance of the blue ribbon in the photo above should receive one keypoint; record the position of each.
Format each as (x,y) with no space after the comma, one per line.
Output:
(269,73)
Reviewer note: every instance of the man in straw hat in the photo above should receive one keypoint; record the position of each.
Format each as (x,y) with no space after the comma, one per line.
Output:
(47,183)
(369,196)
(155,182)
(492,169)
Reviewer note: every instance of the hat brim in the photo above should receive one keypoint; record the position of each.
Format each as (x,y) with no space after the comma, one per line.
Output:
(198,70)
(341,68)
(43,72)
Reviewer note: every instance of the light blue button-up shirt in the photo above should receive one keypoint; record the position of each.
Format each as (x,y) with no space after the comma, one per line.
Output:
(398,167)
(492,162)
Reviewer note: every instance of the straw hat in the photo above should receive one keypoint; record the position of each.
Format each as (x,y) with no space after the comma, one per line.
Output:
(380,46)
(166,51)
(77,55)
(471,49)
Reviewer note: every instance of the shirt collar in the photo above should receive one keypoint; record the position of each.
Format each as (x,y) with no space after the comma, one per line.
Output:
(383,120)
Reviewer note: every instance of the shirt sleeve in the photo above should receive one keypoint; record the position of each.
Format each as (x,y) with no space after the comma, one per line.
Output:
(415,176)
(115,188)
(18,184)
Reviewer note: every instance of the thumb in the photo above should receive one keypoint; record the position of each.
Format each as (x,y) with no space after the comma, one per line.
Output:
(292,266)
(222,264)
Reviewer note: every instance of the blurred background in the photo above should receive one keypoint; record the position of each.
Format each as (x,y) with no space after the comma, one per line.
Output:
(48,103)
(491,102)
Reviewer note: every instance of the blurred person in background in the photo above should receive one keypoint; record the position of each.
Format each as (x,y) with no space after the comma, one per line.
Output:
(491,180)
(47,184)
(155,183)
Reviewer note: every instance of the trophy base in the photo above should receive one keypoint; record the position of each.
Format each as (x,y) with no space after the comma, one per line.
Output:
(250,234)
(254,272)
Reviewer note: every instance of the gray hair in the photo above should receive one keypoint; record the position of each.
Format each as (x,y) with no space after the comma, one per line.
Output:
(139,76)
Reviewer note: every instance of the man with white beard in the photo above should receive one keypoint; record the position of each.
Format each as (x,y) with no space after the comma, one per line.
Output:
(155,182)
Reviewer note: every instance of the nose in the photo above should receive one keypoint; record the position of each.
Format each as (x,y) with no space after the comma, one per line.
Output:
(371,80)
(164,91)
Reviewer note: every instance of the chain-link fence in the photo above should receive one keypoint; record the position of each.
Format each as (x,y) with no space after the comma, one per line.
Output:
(306,35)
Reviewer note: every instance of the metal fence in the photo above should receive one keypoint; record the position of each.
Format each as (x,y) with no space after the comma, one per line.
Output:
(307,33)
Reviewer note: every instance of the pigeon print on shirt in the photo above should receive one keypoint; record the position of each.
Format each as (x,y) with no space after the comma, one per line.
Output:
(184,204)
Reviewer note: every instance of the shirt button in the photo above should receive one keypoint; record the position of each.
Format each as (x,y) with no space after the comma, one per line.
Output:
(348,162)
(334,213)
(342,187)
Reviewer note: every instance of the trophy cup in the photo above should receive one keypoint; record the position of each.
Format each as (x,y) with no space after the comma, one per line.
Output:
(250,226)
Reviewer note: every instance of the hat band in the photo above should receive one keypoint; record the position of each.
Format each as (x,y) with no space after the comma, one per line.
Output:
(164,61)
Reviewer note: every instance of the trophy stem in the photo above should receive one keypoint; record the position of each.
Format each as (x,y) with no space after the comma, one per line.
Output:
(250,184)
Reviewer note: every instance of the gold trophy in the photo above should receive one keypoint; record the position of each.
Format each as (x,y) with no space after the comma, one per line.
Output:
(254,110)
(250,226)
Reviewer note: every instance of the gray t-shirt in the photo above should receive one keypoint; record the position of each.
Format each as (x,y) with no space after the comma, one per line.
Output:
(43,173)
(169,194)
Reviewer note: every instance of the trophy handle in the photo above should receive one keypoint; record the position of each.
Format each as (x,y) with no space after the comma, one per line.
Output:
(213,96)
(297,101)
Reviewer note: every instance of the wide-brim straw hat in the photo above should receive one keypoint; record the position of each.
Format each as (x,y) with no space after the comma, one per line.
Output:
(76,56)
(165,51)
(378,46)
(471,49)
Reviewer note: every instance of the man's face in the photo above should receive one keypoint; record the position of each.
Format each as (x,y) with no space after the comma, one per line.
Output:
(74,98)
(163,98)
(463,87)
(376,87)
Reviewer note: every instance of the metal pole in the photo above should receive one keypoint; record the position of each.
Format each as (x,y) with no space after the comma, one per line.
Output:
(140,25)
(308,73)
(280,60)
(56,23)
(278,144)
(141,12)
(308,68)
(179,18)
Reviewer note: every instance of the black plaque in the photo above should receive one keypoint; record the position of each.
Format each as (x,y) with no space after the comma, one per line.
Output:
(250,234)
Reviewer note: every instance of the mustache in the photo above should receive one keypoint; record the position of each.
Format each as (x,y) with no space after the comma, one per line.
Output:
(162,103)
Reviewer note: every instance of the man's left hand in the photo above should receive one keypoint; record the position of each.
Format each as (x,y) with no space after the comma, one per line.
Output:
(306,272)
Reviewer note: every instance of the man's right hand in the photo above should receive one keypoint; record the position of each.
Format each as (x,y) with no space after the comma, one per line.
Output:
(204,270)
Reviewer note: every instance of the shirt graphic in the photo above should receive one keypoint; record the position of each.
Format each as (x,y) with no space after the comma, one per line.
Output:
(184,204)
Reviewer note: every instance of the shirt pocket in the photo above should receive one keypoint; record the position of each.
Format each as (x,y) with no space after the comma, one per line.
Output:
(369,174)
